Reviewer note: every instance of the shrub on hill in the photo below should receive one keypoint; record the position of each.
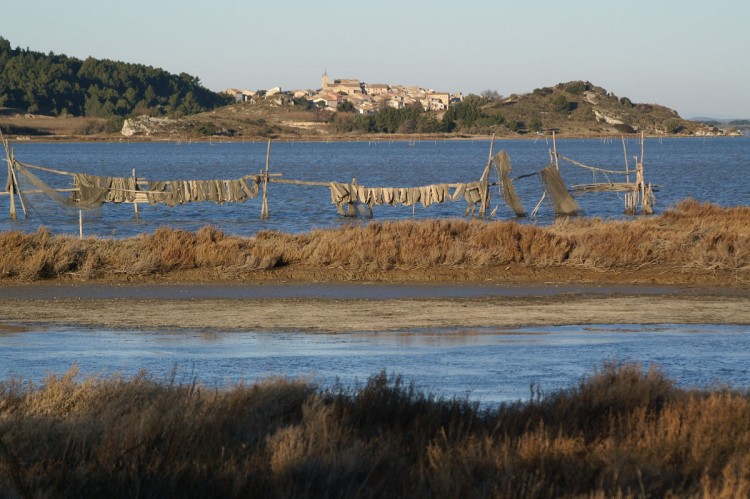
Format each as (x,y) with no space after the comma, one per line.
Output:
(60,85)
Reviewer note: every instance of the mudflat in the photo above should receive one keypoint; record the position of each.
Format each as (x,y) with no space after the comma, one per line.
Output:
(352,307)
(689,265)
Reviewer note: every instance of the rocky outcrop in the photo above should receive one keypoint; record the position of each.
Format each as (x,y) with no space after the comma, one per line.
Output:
(710,132)
(610,120)
(148,125)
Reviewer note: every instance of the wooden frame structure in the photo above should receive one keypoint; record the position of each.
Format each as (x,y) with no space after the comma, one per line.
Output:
(637,192)
(477,194)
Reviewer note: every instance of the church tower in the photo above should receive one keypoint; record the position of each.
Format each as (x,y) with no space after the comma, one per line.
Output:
(325,80)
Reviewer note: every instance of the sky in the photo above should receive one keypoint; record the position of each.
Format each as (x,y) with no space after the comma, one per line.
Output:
(692,56)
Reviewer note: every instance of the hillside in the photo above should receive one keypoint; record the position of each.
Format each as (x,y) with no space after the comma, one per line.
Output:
(62,97)
(581,108)
(57,85)
(570,109)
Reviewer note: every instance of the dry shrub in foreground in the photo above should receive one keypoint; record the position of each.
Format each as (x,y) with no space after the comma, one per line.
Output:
(692,237)
(621,432)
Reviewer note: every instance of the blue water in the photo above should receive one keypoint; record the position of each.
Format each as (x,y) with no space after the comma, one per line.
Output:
(488,366)
(715,169)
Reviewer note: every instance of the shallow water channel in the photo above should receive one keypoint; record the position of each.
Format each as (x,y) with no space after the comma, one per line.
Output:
(489,366)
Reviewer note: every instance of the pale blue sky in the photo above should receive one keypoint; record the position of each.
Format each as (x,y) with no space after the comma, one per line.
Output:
(693,56)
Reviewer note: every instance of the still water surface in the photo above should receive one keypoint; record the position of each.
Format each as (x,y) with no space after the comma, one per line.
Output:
(487,365)
(716,170)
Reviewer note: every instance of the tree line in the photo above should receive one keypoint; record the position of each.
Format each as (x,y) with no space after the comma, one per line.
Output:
(468,116)
(59,85)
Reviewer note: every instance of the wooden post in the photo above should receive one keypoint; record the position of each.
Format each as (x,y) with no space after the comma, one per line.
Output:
(264,215)
(17,187)
(485,180)
(135,203)
(642,146)
(641,182)
(80,224)
(11,186)
(486,172)
(11,183)
(625,152)
(554,145)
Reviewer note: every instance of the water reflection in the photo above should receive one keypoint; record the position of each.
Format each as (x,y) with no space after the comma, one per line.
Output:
(488,364)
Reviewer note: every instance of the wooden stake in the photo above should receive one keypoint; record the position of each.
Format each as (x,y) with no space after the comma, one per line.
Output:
(11,182)
(536,208)
(17,187)
(135,203)
(554,145)
(13,215)
(80,224)
(642,140)
(486,172)
(264,215)
(625,151)
(485,181)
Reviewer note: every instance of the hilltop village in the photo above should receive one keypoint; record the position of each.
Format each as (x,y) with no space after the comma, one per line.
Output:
(365,98)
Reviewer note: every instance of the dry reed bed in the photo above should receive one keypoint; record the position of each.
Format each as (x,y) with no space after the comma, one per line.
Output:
(624,431)
(692,237)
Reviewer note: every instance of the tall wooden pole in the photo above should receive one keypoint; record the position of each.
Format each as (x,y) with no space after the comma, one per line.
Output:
(484,180)
(264,215)
(17,187)
(625,152)
(642,146)
(11,183)
(486,172)
(135,203)
(554,145)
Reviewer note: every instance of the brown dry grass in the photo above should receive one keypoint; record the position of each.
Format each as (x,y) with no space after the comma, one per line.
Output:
(690,238)
(50,126)
(621,432)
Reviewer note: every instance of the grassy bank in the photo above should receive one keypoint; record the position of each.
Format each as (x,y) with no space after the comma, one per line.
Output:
(691,238)
(624,431)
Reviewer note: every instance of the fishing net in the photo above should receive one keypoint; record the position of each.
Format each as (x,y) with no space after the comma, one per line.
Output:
(92,189)
(41,185)
(509,191)
(561,198)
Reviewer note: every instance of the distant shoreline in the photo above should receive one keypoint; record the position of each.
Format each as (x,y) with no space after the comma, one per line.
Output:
(337,139)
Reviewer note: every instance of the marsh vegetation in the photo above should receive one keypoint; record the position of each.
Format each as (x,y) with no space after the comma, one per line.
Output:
(624,431)
(691,239)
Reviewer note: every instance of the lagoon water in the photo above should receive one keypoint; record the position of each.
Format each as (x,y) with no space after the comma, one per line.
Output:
(488,366)
(711,169)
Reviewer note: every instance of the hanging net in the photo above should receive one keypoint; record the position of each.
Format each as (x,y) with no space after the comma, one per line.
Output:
(561,198)
(508,190)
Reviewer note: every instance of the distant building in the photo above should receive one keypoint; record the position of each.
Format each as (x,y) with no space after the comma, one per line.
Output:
(366,108)
(345,86)
(234,92)
(381,94)
(240,95)
(377,89)
(436,101)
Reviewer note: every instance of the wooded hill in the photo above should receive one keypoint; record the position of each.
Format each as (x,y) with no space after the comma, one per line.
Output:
(576,108)
(59,85)
(95,96)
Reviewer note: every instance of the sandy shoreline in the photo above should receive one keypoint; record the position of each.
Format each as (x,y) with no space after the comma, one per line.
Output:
(362,308)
